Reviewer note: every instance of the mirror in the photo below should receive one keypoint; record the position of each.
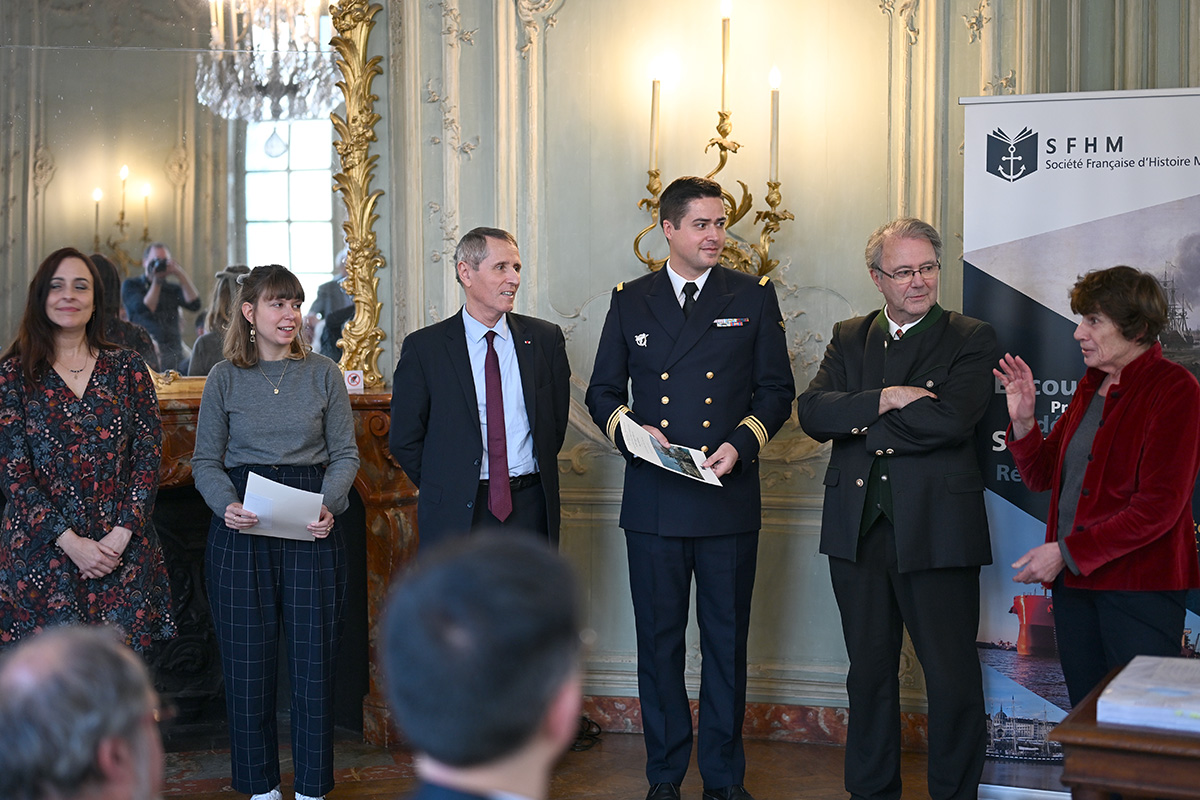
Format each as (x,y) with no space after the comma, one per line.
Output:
(92,87)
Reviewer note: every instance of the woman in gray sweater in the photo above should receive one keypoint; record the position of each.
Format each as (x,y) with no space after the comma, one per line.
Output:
(278,410)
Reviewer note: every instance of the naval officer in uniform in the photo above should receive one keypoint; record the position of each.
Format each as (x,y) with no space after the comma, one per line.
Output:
(704,348)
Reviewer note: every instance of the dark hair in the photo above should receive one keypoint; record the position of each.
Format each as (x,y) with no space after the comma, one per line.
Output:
(473,246)
(272,282)
(62,693)
(478,640)
(1132,299)
(673,203)
(901,228)
(34,344)
(110,277)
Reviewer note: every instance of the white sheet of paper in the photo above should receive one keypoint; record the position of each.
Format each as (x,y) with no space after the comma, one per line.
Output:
(283,512)
(678,459)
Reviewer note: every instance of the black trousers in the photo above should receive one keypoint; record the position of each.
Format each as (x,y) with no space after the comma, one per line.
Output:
(528,512)
(661,569)
(1099,630)
(940,608)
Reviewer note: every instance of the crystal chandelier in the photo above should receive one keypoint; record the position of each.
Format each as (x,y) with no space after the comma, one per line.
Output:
(265,61)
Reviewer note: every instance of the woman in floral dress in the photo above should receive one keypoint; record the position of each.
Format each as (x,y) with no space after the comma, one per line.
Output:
(80,443)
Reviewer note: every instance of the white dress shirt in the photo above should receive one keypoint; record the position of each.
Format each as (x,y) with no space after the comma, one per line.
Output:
(518,434)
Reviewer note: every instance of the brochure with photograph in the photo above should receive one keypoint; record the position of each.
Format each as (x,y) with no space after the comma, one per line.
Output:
(674,458)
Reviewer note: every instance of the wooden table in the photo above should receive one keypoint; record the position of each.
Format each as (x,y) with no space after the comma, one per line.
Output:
(1099,758)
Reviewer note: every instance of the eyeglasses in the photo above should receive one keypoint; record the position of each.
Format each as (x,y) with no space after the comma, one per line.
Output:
(906,274)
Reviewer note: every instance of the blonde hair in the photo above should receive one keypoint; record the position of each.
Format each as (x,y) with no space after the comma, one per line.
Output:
(225,292)
(272,282)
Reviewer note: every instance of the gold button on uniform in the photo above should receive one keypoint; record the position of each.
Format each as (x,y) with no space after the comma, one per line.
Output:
(858,482)
(928,384)
(666,375)
(890,451)
(878,452)
(708,375)
(663,424)
(854,431)
(883,477)
(708,401)
(706,423)
(665,400)
(704,448)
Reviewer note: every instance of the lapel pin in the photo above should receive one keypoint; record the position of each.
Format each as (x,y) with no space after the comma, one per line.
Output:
(641,339)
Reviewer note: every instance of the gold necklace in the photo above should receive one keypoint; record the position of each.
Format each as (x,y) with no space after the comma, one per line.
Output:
(274,385)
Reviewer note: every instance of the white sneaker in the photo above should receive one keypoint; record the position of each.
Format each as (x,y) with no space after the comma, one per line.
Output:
(306,797)
(274,794)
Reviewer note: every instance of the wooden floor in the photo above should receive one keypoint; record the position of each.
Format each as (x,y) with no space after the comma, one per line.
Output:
(614,768)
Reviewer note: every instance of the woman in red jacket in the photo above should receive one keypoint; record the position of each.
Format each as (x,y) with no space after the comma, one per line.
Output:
(1120,464)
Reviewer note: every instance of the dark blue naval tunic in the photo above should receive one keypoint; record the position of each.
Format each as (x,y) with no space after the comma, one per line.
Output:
(720,375)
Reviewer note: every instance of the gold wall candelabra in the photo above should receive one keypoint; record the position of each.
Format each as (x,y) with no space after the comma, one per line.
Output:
(116,242)
(738,254)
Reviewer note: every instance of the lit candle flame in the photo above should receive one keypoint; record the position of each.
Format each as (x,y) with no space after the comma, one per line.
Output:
(97,195)
(726,9)
(774,77)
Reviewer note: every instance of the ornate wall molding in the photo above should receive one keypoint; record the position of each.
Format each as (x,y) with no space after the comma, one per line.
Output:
(44,168)
(353,20)
(976,21)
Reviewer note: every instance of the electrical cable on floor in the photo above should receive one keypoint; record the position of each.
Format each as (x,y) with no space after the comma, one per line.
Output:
(589,734)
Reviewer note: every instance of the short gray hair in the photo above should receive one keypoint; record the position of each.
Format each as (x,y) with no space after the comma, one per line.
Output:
(62,693)
(902,228)
(473,247)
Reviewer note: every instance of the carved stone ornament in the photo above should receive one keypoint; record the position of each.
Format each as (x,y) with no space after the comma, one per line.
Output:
(43,168)
(975,22)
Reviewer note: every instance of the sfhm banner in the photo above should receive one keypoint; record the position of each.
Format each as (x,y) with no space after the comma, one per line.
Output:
(1056,186)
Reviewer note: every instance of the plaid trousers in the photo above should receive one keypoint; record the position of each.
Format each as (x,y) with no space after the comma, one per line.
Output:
(254,584)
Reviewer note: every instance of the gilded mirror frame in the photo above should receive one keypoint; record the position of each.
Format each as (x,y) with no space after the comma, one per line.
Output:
(352,23)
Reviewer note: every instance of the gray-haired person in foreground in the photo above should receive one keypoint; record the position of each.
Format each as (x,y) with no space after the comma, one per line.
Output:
(79,716)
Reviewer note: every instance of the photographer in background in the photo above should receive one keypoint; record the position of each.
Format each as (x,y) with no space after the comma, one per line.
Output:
(153,302)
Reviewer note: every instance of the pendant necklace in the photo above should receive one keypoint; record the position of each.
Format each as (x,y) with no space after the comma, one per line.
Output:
(275,386)
(87,359)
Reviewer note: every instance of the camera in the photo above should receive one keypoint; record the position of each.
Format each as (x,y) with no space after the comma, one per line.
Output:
(159,265)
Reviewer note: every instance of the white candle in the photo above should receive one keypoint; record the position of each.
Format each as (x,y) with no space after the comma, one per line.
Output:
(146,206)
(124,177)
(726,11)
(654,124)
(775,79)
(97,195)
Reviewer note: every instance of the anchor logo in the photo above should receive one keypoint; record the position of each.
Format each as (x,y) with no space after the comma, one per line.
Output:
(1012,158)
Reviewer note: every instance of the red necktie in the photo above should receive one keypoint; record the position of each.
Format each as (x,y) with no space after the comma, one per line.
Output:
(499,493)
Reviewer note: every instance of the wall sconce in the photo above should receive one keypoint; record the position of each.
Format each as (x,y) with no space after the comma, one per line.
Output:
(751,258)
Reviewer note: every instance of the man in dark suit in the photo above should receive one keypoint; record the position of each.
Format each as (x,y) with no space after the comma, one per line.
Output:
(484,390)
(704,348)
(481,661)
(899,394)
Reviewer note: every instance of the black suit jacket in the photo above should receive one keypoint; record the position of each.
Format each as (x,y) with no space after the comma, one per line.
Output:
(436,436)
(930,447)
(720,375)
